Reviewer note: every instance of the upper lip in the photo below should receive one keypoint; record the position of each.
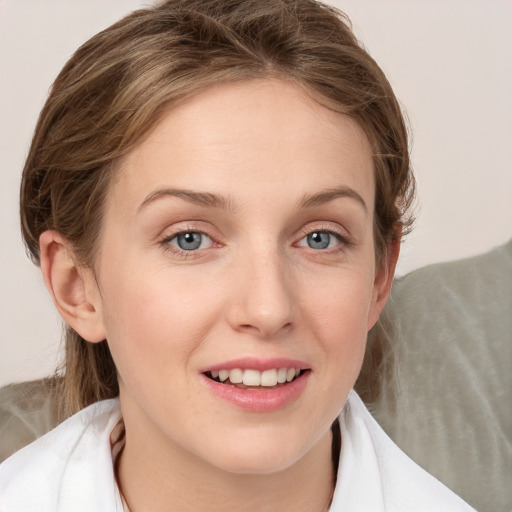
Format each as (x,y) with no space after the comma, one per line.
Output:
(253,363)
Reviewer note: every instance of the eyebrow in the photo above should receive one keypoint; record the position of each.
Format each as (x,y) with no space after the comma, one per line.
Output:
(216,201)
(320,198)
(199,198)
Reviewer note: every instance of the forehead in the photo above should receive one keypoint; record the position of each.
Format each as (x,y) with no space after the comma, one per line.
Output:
(267,132)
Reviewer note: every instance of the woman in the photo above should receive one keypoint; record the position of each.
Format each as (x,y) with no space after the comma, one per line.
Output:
(216,193)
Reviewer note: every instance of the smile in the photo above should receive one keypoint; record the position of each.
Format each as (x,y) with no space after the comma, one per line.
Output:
(250,378)
(258,385)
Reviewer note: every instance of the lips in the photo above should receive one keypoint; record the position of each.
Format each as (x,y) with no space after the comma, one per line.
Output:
(258,385)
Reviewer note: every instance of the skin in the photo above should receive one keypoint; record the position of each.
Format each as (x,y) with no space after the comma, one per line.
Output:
(254,288)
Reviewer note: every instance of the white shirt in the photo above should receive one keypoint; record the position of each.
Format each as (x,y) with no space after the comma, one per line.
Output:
(70,469)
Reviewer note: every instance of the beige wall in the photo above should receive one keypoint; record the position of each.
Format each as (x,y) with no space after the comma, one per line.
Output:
(449,61)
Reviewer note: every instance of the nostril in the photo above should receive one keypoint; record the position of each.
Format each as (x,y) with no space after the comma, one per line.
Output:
(265,331)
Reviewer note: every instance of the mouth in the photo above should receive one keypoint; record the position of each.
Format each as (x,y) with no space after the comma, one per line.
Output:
(254,379)
(256,384)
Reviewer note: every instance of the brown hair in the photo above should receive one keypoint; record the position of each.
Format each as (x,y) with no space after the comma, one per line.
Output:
(115,88)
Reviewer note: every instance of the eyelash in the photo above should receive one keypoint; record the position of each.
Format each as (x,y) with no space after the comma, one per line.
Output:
(344,241)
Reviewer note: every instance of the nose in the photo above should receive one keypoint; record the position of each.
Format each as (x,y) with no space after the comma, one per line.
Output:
(262,301)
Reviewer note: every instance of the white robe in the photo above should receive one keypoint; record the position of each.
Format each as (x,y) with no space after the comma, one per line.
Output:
(70,469)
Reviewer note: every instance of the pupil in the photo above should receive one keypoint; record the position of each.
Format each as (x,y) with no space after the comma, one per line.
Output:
(189,241)
(319,240)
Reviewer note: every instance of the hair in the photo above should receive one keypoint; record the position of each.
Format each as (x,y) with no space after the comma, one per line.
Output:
(116,87)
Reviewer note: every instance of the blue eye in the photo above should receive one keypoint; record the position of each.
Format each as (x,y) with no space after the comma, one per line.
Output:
(190,241)
(320,240)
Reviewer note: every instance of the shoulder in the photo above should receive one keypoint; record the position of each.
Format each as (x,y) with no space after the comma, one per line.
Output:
(374,474)
(65,469)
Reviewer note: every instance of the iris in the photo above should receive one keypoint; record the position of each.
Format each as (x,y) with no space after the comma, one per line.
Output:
(189,241)
(319,240)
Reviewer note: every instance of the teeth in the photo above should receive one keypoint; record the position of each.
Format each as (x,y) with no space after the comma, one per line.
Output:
(236,376)
(254,378)
(269,378)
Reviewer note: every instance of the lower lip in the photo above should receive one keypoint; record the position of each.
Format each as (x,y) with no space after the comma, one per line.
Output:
(259,400)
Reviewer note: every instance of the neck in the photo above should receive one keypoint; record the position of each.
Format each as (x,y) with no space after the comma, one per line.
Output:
(163,478)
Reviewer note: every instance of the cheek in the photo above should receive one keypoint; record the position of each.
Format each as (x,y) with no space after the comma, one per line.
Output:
(338,314)
(152,319)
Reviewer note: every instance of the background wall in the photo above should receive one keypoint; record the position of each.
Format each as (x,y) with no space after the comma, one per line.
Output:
(450,63)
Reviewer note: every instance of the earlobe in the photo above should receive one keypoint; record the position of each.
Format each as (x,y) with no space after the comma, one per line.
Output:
(72,288)
(383,282)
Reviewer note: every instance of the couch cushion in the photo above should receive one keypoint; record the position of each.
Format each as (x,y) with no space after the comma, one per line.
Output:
(453,330)
(27,411)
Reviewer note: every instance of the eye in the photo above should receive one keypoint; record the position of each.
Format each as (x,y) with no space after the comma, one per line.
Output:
(190,241)
(320,240)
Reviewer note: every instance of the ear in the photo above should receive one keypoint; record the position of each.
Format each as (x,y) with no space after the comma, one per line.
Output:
(73,288)
(383,282)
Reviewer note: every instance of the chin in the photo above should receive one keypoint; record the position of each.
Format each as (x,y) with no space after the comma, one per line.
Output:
(256,465)
(260,454)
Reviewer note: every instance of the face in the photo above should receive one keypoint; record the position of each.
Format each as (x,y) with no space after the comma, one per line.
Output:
(236,276)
